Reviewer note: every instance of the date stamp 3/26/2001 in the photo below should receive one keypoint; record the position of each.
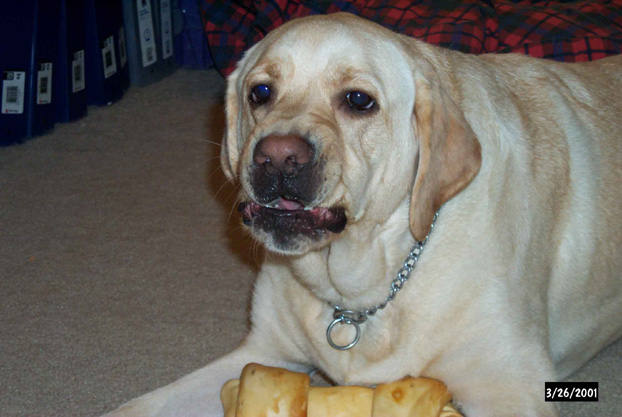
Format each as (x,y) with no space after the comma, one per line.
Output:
(571,391)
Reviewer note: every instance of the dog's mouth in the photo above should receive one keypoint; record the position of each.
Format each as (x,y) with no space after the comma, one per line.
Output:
(290,217)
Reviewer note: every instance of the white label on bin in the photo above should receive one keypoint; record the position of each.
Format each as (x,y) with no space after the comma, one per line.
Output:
(13,92)
(122,49)
(108,57)
(146,32)
(44,83)
(77,71)
(167,28)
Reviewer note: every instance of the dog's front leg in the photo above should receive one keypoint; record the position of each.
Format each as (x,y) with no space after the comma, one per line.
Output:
(198,394)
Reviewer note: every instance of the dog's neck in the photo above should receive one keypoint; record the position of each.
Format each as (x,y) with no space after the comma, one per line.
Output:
(356,270)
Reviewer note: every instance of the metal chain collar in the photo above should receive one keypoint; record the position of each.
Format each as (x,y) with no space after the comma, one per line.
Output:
(344,316)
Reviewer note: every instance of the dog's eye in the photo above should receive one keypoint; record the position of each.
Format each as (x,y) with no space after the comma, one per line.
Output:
(260,94)
(357,100)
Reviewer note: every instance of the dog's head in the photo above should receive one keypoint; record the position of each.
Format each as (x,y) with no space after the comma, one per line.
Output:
(334,121)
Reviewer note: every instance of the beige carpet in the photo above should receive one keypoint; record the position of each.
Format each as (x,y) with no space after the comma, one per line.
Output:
(122,262)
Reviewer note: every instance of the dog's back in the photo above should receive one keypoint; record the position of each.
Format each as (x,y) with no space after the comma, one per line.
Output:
(586,313)
(565,120)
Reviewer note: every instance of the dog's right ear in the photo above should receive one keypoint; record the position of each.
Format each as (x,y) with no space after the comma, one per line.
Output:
(229,154)
(449,154)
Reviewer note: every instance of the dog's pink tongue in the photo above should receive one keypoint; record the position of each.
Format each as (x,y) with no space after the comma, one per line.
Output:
(284,204)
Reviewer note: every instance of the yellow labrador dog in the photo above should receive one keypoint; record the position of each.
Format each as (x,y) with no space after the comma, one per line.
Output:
(347,139)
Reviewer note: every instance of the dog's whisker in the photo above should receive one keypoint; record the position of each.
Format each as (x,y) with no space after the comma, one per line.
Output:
(233,206)
(212,158)
(212,142)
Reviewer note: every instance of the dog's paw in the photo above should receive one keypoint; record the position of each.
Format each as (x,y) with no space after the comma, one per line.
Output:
(134,409)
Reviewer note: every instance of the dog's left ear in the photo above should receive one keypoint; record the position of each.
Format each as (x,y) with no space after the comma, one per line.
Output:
(449,155)
(229,154)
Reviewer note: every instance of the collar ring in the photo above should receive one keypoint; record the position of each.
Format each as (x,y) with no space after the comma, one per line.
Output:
(343,320)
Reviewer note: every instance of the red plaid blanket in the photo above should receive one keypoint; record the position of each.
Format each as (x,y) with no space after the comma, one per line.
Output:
(561,30)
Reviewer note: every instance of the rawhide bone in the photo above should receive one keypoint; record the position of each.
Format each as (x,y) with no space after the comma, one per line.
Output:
(264,391)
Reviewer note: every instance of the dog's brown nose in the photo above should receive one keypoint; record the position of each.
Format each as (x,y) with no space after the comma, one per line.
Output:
(282,154)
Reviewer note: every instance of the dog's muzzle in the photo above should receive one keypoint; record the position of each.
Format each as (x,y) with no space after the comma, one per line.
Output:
(288,217)
(286,176)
